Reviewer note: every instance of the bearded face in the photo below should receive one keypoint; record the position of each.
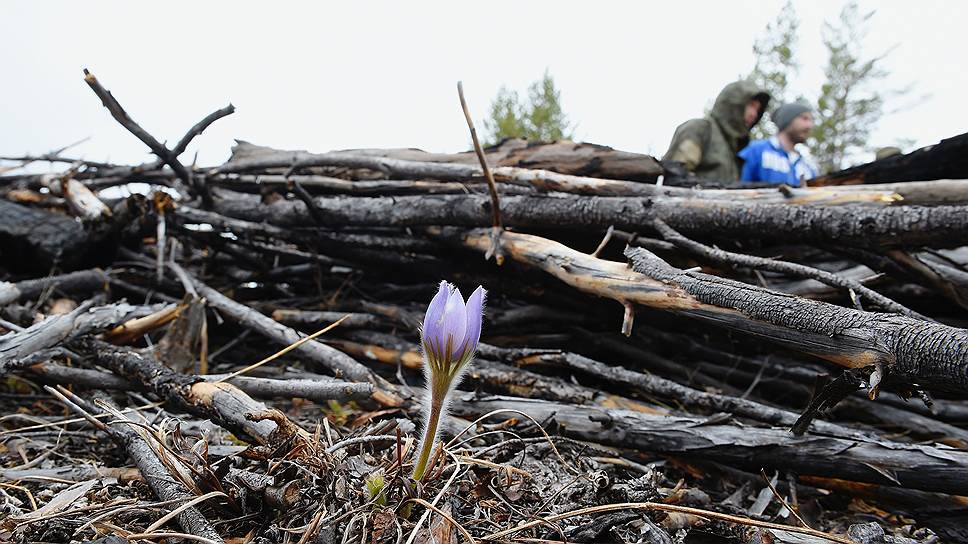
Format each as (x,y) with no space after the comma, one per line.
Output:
(800,128)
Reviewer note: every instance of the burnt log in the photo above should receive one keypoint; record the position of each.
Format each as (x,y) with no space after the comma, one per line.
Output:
(223,403)
(17,348)
(886,463)
(941,226)
(928,354)
(80,281)
(318,389)
(562,156)
(35,240)
(948,159)
(365,166)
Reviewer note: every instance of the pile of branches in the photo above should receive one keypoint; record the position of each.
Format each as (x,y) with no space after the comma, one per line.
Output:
(656,361)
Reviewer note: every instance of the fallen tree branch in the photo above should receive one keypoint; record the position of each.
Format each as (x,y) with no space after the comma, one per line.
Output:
(16,347)
(648,384)
(318,390)
(927,353)
(546,180)
(337,362)
(891,226)
(168,156)
(326,184)
(887,463)
(164,485)
(74,282)
(795,269)
(223,403)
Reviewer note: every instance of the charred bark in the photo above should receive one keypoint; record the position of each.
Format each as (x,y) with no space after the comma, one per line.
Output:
(929,354)
(225,404)
(33,239)
(919,467)
(17,347)
(319,389)
(74,282)
(941,226)
(946,159)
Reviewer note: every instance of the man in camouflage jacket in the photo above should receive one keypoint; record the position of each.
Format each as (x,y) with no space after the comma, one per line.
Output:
(708,146)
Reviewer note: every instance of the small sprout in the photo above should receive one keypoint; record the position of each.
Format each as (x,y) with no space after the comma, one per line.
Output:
(450,334)
(375,486)
(336,412)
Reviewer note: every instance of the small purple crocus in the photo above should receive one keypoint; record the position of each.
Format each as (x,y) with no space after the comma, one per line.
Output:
(450,334)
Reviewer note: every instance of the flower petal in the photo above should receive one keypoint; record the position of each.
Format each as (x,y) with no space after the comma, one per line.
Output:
(435,313)
(454,322)
(475,313)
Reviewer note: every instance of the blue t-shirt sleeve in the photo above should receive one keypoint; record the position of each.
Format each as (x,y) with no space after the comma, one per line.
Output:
(751,164)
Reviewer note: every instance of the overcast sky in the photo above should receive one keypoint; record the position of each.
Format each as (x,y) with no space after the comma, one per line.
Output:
(383,74)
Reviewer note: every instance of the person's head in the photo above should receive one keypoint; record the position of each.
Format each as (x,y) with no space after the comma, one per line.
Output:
(795,120)
(738,108)
(753,112)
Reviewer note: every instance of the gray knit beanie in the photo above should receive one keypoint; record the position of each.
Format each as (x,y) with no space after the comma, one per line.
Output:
(786,113)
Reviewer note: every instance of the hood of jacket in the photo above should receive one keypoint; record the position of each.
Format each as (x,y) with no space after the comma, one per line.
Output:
(730,107)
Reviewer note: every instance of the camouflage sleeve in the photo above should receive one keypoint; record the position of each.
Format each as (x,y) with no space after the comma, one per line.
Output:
(687,143)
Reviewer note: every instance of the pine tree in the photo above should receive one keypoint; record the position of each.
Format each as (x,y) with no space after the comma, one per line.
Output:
(507,116)
(541,118)
(850,102)
(776,63)
(546,120)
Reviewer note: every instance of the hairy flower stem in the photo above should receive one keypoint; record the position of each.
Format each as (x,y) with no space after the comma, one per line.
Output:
(430,434)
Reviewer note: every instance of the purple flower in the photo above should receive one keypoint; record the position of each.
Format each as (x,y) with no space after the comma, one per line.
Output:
(451,328)
(450,334)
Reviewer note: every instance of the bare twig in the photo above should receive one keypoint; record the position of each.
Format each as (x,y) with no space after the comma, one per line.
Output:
(795,269)
(782,500)
(50,156)
(285,350)
(168,156)
(605,240)
(70,404)
(497,227)
(307,199)
(200,127)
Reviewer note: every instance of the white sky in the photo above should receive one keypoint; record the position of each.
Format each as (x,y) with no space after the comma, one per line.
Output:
(383,74)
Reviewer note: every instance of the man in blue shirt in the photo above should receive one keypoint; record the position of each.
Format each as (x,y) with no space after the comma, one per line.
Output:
(776,160)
